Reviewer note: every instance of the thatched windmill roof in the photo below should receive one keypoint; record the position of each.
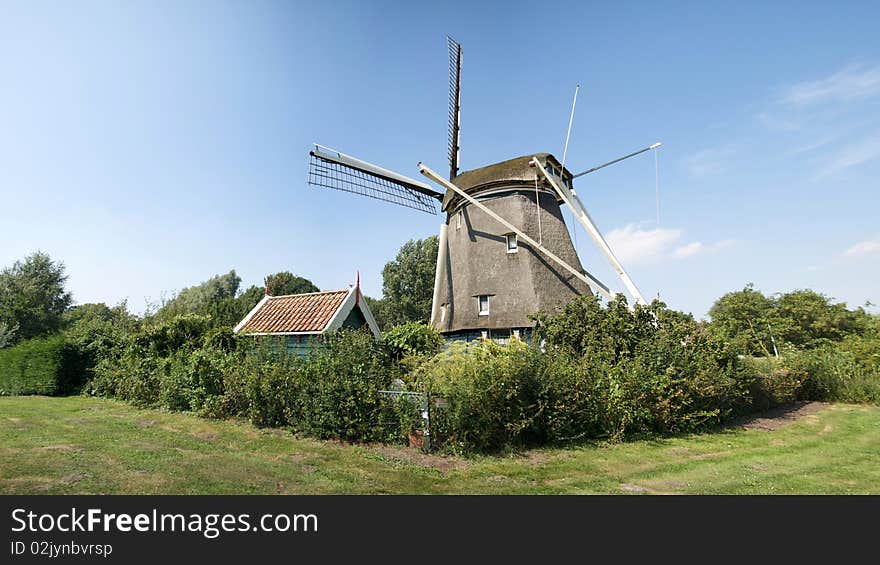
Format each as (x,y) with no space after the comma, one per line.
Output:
(506,173)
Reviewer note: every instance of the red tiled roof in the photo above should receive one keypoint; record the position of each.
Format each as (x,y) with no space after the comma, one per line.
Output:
(295,313)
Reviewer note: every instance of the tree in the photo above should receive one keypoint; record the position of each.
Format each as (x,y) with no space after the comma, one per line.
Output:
(219,297)
(803,318)
(408,283)
(95,329)
(86,312)
(742,318)
(230,311)
(809,319)
(32,296)
(285,282)
(7,334)
(377,308)
(201,298)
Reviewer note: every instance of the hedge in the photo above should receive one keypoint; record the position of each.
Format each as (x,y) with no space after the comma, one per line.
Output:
(47,366)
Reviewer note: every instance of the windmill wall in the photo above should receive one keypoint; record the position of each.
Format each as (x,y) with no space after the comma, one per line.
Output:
(518,284)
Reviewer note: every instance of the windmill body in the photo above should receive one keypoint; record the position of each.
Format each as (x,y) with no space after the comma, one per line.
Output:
(488,279)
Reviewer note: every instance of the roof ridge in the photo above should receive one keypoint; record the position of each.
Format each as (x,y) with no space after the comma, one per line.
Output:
(308,293)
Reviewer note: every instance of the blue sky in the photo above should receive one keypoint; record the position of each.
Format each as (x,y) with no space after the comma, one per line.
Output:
(151,145)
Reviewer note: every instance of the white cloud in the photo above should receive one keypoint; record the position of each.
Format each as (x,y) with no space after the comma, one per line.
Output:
(776,123)
(707,162)
(689,250)
(853,155)
(634,245)
(698,247)
(853,82)
(869,247)
(812,146)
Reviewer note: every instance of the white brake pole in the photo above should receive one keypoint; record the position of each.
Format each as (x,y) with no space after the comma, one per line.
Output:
(438,276)
(580,212)
(591,281)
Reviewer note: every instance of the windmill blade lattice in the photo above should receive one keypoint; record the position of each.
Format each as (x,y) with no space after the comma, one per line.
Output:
(345,173)
(454,115)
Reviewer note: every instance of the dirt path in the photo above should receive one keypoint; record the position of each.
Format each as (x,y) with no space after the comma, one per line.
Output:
(775,418)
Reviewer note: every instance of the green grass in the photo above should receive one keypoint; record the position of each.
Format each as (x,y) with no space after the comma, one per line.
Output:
(89,445)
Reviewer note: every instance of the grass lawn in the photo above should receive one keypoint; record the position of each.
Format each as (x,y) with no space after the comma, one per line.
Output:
(87,445)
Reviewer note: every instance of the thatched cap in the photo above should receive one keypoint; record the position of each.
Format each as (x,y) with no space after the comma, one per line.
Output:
(511,172)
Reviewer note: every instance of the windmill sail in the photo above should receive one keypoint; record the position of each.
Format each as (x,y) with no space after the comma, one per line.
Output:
(454,123)
(331,169)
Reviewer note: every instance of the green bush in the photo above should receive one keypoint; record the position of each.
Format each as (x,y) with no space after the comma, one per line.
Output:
(606,373)
(340,387)
(833,374)
(666,370)
(331,394)
(412,338)
(186,331)
(865,349)
(491,395)
(770,382)
(155,365)
(48,366)
(602,372)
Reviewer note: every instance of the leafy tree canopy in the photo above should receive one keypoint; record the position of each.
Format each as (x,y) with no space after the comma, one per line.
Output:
(377,308)
(742,318)
(803,318)
(809,319)
(97,311)
(408,283)
(220,298)
(7,334)
(32,296)
(96,329)
(285,282)
(201,298)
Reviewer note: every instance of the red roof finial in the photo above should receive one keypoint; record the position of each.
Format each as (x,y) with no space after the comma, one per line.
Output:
(357,287)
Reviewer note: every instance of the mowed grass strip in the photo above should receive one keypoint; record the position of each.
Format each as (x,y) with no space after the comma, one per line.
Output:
(80,445)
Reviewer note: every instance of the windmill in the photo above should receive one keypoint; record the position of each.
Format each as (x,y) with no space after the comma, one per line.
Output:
(504,249)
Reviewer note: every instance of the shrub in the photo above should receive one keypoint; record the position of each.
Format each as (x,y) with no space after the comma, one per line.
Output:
(663,371)
(340,387)
(602,373)
(833,374)
(412,338)
(770,382)
(333,393)
(487,389)
(180,332)
(607,373)
(7,334)
(275,394)
(97,332)
(41,366)
(153,366)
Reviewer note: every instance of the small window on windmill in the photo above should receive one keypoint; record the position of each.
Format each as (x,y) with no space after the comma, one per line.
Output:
(443,312)
(511,243)
(458,219)
(483,301)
